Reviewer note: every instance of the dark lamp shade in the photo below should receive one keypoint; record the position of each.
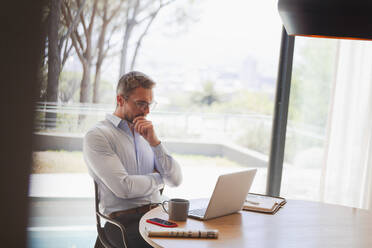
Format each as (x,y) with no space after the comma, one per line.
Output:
(327,18)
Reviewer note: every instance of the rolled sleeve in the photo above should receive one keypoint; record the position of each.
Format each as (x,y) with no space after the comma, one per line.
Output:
(168,167)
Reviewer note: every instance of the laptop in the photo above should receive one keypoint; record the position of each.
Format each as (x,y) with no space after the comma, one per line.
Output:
(228,196)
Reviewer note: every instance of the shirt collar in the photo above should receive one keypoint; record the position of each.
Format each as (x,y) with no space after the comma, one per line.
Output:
(118,122)
(114,119)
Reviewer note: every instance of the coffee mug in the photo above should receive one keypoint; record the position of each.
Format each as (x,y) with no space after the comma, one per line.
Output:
(178,209)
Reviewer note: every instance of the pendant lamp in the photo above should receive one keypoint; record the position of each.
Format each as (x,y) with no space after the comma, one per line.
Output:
(347,19)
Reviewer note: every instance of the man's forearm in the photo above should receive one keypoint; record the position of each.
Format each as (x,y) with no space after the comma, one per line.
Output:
(133,186)
(167,166)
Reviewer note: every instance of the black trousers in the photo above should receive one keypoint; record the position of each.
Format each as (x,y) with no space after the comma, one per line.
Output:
(133,237)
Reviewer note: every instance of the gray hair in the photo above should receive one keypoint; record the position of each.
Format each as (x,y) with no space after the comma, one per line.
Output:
(132,80)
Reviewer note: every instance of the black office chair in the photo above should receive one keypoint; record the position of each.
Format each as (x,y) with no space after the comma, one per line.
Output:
(100,230)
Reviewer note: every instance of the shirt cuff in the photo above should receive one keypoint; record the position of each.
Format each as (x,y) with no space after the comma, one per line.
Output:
(159,150)
(158,179)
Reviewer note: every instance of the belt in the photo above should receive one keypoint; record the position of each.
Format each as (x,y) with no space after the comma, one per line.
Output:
(140,210)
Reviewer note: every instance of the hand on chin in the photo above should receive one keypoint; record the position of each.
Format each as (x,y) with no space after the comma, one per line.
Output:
(146,129)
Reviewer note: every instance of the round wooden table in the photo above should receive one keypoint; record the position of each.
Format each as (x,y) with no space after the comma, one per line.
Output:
(297,224)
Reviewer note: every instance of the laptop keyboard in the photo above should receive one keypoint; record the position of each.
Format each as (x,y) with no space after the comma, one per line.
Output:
(198,212)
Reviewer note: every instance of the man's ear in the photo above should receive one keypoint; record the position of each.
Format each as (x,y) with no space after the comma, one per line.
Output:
(120,100)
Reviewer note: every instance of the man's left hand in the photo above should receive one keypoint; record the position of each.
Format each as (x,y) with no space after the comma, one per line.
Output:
(146,129)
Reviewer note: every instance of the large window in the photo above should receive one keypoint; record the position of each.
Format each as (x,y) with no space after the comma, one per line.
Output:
(314,65)
(327,154)
(215,64)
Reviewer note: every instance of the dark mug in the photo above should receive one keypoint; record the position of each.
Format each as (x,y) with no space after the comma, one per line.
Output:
(178,209)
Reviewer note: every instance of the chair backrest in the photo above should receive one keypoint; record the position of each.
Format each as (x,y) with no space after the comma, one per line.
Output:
(98,219)
(100,230)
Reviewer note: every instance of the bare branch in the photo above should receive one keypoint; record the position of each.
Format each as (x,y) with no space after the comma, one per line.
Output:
(115,12)
(82,19)
(109,46)
(105,52)
(161,5)
(152,17)
(104,17)
(127,14)
(142,36)
(135,11)
(74,43)
(113,30)
(91,22)
(66,13)
(147,5)
(145,18)
(68,17)
(72,25)
(83,24)
(78,39)
(66,54)
(166,3)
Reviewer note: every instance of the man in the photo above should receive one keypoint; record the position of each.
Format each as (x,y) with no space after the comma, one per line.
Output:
(128,161)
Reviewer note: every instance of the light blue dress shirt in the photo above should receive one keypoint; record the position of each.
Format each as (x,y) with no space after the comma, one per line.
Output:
(123,166)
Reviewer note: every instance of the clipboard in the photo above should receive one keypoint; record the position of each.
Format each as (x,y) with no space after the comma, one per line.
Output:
(263,203)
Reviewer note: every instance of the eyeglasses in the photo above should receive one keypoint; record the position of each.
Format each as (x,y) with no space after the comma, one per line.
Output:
(142,105)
